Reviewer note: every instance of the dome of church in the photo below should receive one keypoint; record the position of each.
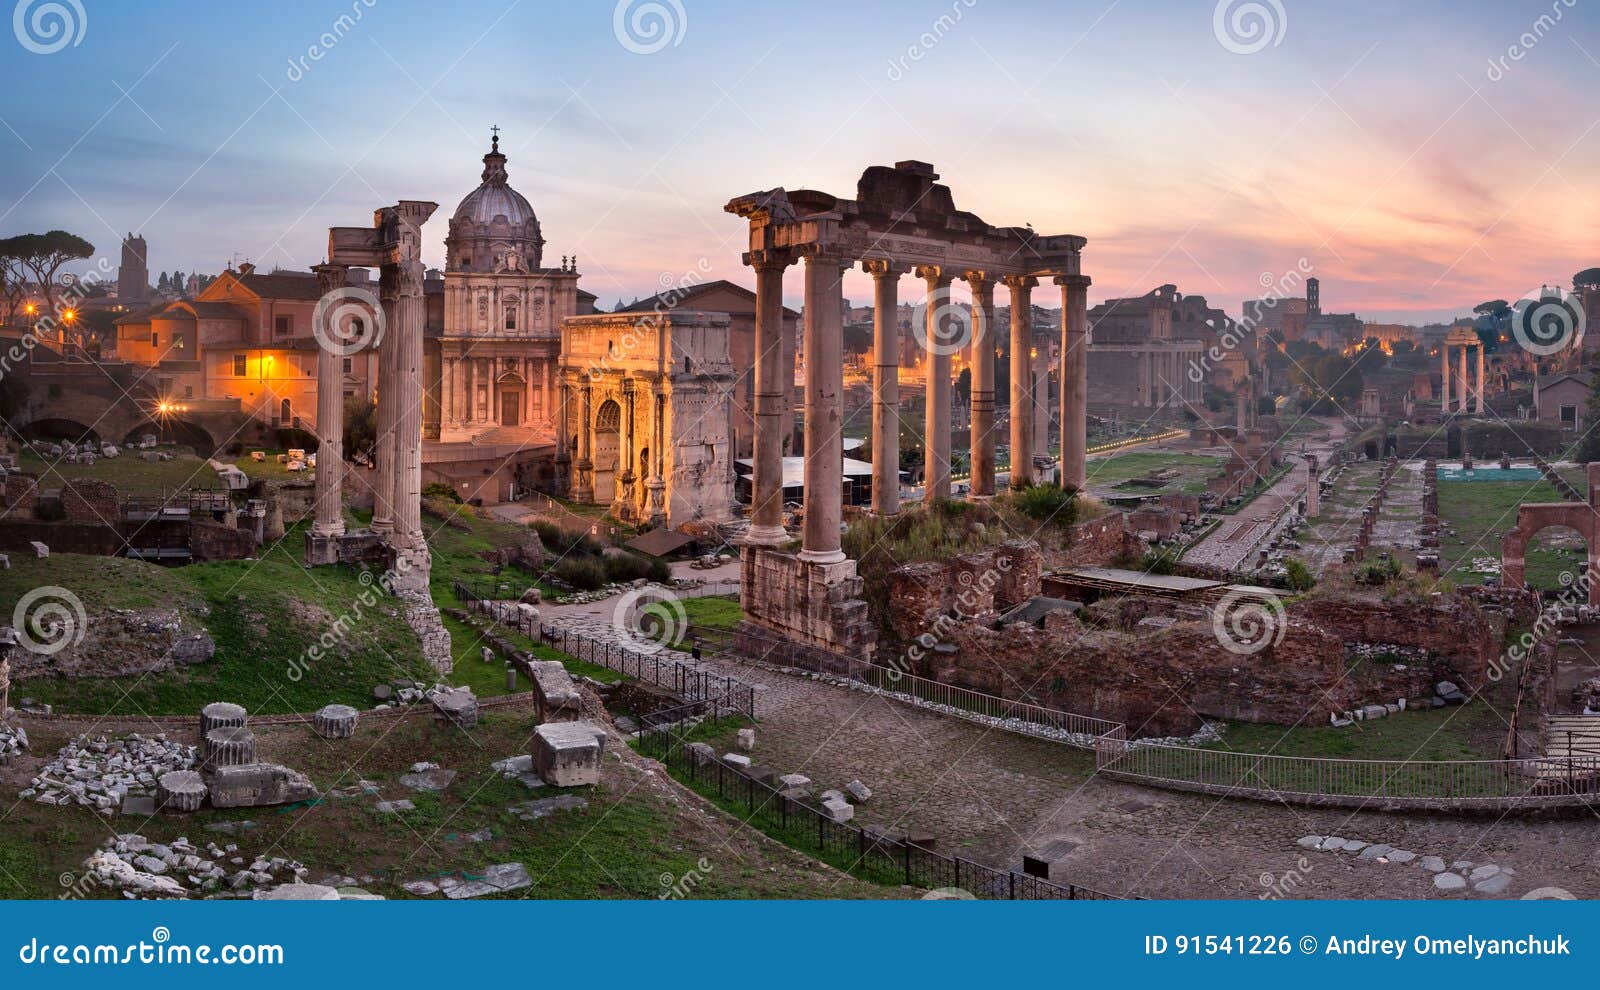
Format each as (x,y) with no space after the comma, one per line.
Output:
(492,222)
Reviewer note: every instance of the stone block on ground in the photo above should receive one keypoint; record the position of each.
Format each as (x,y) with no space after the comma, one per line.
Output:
(567,754)
(838,810)
(555,695)
(746,739)
(335,721)
(254,785)
(859,793)
(458,706)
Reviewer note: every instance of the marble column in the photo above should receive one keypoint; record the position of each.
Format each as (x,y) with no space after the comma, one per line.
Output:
(1074,379)
(885,386)
(939,343)
(413,310)
(772,416)
(1022,392)
(982,350)
(1466,383)
(1479,405)
(656,487)
(388,399)
(1039,395)
(330,415)
(583,491)
(1444,378)
(824,342)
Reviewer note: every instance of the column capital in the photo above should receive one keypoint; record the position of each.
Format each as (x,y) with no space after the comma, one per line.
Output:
(770,259)
(1073,281)
(331,277)
(1019,282)
(934,275)
(981,283)
(883,268)
(827,255)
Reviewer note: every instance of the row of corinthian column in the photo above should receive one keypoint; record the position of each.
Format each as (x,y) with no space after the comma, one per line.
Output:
(824,387)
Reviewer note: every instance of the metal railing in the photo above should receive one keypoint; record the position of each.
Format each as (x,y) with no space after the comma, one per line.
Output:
(689,682)
(1389,781)
(875,855)
(1023,716)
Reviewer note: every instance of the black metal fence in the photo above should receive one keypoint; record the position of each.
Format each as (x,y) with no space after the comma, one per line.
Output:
(870,854)
(730,695)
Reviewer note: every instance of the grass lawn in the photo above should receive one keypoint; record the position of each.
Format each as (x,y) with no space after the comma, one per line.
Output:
(128,472)
(1109,473)
(1481,512)
(635,830)
(1471,732)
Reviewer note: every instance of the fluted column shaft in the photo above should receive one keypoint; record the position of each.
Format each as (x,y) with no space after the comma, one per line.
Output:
(983,351)
(388,398)
(824,342)
(1478,405)
(1444,378)
(940,343)
(330,413)
(413,311)
(1466,383)
(773,421)
(885,386)
(1074,379)
(1022,397)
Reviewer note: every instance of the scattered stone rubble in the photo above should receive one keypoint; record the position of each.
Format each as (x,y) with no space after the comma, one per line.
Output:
(101,773)
(13,742)
(497,879)
(143,870)
(1484,878)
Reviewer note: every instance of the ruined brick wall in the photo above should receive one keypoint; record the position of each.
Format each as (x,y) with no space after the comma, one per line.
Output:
(18,495)
(972,587)
(1185,505)
(85,500)
(1163,522)
(214,541)
(1451,627)
(807,615)
(1096,542)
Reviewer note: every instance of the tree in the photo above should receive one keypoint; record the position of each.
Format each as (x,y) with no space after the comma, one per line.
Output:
(14,283)
(43,255)
(360,426)
(1589,278)
(1589,450)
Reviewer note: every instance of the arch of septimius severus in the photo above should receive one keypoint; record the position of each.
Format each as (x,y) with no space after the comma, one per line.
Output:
(901,222)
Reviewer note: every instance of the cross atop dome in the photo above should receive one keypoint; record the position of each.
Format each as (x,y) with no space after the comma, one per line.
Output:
(495,130)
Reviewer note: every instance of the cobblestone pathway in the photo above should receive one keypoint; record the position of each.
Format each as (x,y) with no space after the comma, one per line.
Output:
(989,795)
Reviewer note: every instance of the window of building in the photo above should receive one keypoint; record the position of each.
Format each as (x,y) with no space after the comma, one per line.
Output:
(283,326)
(155,339)
(188,391)
(349,363)
(1569,415)
(511,317)
(241,365)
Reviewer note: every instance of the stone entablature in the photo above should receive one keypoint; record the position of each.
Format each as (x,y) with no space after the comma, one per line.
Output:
(647,414)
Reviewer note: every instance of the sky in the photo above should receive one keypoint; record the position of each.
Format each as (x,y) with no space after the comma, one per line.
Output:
(1421,157)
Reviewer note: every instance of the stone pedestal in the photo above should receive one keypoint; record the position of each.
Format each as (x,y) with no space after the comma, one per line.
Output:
(555,695)
(804,614)
(458,706)
(321,550)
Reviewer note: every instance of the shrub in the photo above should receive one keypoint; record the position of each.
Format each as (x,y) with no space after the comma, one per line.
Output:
(441,492)
(586,573)
(1297,575)
(1380,571)
(1047,503)
(559,541)
(1163,561)
(620,567)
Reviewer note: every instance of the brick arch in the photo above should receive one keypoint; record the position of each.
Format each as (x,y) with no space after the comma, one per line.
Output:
(1534,517)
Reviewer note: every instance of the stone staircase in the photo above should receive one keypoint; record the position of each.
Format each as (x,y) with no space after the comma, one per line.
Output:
(521,436)
(1574,737)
